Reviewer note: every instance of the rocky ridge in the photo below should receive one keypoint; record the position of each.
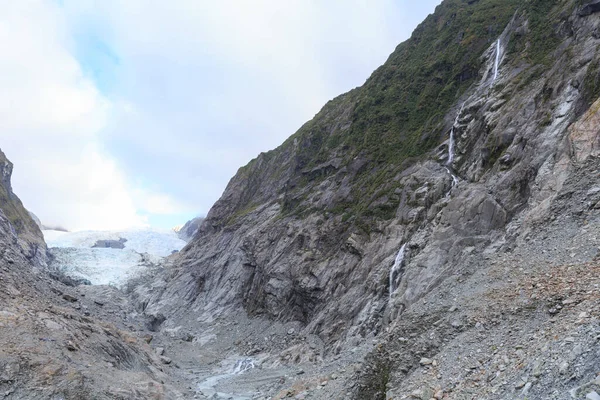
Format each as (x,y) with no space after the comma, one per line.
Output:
(284,291)
(58,341)
(292,240)
(189,229)
(20,223)
(282,240)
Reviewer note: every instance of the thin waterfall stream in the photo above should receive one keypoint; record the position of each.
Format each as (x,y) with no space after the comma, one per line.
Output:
(451,142)
(497,61)
(395,268)
(451,145)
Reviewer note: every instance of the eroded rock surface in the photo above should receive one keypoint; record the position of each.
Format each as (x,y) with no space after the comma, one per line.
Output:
(55,341)
(284,290)
(307,234)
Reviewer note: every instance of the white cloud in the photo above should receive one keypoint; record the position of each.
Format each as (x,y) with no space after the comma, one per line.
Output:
(117,110)
(50,116)
(216,82)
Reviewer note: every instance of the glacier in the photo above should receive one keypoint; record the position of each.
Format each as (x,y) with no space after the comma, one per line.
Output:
(74,255)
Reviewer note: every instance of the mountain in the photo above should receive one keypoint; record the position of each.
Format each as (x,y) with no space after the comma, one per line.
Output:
(59,341)
(20,223)
(432,234)
(474,149)
(189,229)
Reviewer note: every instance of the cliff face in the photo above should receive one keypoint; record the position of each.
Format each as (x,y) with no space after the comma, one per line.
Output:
(444,217)
(326,198)
(58,341)
(21,223)
(189,229)
(460,146)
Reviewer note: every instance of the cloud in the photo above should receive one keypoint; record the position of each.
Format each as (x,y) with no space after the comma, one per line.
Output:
(50,117)
(159,103)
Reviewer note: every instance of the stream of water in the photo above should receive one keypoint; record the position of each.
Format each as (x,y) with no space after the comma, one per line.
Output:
(497,62)
(395,268)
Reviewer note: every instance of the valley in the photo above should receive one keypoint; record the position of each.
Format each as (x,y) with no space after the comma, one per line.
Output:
(432,234)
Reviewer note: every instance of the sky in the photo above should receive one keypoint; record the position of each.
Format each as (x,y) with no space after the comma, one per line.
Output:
(131,113)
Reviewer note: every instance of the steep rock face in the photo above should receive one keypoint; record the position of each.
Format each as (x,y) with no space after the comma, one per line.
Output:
(189,229)
(36,220)
(311,228)
(590,8)
(52,346)
(29,235)
(309,231)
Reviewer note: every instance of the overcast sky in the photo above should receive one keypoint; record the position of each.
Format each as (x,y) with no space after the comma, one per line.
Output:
(121,113)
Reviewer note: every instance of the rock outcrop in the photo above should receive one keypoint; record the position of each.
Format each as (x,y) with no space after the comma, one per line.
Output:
(187,231)
(21,224)
(589,9)
(308,232)
(56,342)
(110,244)
(36,220)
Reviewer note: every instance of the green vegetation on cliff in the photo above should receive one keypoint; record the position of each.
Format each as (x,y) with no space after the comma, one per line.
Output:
(403,110)
(399,112)
(10,204)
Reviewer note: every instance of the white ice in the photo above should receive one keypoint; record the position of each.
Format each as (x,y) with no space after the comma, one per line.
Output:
(75,256)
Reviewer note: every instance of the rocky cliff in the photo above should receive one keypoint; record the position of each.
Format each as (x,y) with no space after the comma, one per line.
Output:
(319,218)
(189,229)
(431,234)
(20,221)
(310,229)
(61,342)
(463,146)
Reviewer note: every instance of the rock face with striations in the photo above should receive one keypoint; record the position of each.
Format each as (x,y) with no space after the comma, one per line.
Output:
(310,230)
(590,8)
(20,222)
(51,344)
(190,229)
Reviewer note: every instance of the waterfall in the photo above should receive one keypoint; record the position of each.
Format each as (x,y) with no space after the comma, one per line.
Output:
(451,147)
(395,268)
(451,150)
(451,143)
(243,365)
(497,62)
(454,178)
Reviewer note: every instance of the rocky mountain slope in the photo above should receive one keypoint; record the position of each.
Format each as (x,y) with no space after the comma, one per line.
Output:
(307,229)
(61,342)
(434,233)
(189,229)
(477,138)
(21,224)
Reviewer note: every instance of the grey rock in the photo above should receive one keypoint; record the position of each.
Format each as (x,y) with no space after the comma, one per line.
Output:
(165,360)
(563,367)
(187,231)
(589,9)
(69,297)
(538,369)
